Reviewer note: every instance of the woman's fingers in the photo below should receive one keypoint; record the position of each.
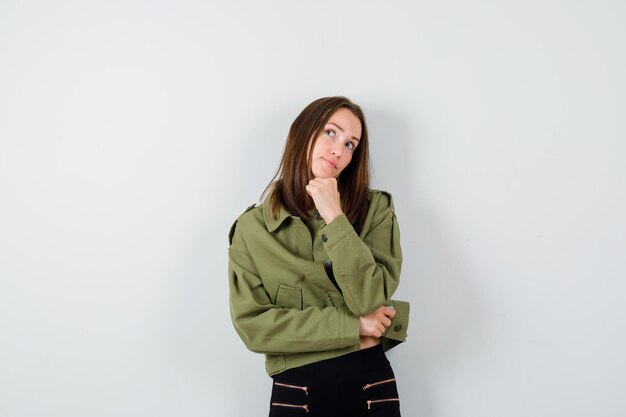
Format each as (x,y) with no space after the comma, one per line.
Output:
(376,323)
(326,197)
(389,311)
(371,326)
(386,313)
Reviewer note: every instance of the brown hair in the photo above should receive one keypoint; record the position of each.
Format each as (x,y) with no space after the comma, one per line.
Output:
(294,171)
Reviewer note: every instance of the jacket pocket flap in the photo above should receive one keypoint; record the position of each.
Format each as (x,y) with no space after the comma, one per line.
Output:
(289,297)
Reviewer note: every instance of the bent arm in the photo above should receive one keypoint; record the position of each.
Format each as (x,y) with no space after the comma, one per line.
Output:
(366,269)
(268,328)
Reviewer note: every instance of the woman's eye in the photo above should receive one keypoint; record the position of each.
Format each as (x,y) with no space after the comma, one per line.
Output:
(350,146)
(330,133)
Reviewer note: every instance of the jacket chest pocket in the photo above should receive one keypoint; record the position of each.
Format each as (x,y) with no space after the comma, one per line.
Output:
(289,297)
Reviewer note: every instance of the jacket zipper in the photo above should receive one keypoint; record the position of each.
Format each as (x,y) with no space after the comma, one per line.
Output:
(305,407)
(370,402)
(305,389)
(373,384)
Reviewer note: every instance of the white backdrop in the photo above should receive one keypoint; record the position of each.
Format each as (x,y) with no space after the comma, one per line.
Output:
(133,133)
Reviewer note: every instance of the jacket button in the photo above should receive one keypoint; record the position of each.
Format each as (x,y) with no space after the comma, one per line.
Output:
(324,238)
(328,264)
(398,327)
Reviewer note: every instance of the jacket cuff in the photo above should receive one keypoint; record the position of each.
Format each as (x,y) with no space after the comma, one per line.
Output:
(396,333)
(349,330)
(336,230)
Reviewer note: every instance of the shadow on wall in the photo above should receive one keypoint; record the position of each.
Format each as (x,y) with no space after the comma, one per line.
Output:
(447,312)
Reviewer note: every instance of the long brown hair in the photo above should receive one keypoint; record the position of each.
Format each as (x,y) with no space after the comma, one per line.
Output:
(294,171)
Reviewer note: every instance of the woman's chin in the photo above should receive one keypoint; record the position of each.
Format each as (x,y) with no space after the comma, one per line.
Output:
(324,174)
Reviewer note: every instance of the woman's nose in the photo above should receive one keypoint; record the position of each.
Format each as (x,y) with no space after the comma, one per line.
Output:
(337,149)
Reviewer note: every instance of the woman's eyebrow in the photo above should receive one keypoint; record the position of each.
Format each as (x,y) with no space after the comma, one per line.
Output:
(341,128)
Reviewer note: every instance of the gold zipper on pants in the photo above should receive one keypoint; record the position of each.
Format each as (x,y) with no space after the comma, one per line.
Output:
(305,389)
(373,384)
(370,402)
(305,407)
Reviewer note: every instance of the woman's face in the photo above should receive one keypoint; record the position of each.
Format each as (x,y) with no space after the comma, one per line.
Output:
(334,146)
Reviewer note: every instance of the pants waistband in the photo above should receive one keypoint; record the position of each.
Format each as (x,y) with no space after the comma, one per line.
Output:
(365,360)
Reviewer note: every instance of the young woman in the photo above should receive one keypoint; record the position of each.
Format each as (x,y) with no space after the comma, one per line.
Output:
(313,268)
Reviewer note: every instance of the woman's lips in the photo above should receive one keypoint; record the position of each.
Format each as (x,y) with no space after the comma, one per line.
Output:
(330,164)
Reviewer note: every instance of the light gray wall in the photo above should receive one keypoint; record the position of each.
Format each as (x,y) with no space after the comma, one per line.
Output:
(132,134)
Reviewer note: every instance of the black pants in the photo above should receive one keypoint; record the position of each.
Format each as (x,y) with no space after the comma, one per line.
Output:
(360,383)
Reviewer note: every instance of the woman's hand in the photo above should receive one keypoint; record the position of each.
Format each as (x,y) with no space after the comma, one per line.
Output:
(375,323)
(325,195)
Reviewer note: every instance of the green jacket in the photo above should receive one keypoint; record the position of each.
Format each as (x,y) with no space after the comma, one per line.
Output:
(283,301)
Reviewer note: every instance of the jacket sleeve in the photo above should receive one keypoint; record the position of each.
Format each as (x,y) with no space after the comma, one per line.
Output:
(396,333)
(367,269)
(270,329)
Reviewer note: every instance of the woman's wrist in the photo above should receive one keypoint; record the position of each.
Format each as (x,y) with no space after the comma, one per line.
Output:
(368,341)
(328,218)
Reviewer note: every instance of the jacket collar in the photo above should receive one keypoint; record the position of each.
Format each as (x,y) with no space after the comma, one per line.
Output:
(270,222)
